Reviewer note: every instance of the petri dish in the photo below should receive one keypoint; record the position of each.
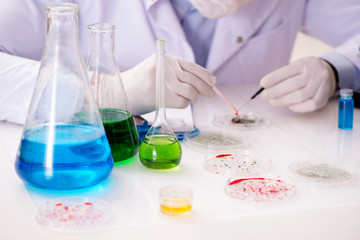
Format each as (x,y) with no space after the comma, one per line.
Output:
(176,122)
(175,200)
(259,190)
(320,173)
(205,139)
(244,163)
(74,214)
(245,120)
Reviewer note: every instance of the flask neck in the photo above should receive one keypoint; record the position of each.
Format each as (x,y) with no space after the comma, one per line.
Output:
(160,82)
(62,28)
(101,45)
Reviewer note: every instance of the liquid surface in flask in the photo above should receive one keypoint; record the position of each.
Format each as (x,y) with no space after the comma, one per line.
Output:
(76,158)
(121,133)
(160,152)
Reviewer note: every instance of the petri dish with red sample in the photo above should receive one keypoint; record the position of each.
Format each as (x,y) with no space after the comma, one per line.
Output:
(260,190)
(72,214)
(249,120)
(239,163)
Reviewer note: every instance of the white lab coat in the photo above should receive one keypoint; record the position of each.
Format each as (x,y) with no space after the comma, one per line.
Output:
(246,46)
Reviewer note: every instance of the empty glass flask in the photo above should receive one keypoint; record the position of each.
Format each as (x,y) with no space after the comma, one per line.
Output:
(109,93)
(63,145)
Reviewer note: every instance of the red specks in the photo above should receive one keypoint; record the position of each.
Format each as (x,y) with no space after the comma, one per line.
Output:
(224,155)
(260,189)
(246,179)
(75,214)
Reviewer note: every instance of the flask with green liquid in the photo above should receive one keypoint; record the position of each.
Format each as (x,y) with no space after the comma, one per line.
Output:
(160,148)
(109,93)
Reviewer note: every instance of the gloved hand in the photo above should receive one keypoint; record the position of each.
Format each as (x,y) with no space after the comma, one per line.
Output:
(304,85)
(185,81)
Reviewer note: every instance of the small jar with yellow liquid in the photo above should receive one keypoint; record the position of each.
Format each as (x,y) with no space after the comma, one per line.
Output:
(175,200)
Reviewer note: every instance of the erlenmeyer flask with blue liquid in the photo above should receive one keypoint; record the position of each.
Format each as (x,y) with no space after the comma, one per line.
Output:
(63,145)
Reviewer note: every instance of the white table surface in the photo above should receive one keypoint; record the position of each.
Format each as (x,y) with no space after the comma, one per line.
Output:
(132,190)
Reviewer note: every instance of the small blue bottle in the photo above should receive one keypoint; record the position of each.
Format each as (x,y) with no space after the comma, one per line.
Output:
(346,109)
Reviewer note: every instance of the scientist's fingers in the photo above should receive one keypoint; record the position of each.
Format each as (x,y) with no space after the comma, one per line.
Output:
(280,74)
(184,90)
(197,84)
(190,82)
(298,96)
(197,70)
(181,89)
(284,87)
(309,105)
(173,100)
(317,101)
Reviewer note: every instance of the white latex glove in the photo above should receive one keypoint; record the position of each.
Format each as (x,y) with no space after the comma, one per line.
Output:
(185,81)
(304,85)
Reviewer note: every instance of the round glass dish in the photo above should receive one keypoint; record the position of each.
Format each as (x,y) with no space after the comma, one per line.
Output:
(207,139)
(260,190)
(320,173)
(175,200)
(244,163)
(244,121)
(74,214)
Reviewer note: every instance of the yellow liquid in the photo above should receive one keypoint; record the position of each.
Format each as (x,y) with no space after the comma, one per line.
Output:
(175,206)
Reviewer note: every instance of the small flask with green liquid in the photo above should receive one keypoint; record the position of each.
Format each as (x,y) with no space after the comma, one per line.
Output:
(109,93)
(160,148)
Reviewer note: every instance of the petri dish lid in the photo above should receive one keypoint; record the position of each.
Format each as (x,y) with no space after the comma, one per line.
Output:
(72,214)
(244,163)
(246,120)
(320,173)
(260,190)
(206,139)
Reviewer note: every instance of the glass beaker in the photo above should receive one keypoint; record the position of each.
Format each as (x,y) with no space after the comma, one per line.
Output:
(63,145)
(160,148)
(109,93)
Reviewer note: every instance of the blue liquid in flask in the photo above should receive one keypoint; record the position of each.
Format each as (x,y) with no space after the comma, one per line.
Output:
(346,109)
(64,157)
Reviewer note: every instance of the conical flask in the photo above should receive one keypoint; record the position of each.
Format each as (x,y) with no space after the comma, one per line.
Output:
(160,148)
(63,145)
(109,93)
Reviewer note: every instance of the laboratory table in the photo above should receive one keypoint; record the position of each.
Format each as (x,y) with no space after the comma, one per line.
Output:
(132,190)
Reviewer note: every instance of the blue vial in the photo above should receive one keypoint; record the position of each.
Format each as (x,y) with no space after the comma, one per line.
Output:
(346,109)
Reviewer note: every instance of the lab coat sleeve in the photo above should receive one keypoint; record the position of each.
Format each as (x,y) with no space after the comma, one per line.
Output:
(338,24)
(18,78)
(346,60)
